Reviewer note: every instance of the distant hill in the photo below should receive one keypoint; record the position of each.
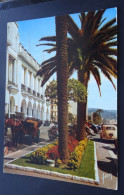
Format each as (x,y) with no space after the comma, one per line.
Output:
(106,114)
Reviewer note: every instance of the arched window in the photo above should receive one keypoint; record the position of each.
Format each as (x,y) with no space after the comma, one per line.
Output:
(23,106)
(34,111)
(29,109)
(12,105)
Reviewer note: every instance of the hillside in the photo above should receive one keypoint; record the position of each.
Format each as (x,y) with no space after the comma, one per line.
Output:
(107,114)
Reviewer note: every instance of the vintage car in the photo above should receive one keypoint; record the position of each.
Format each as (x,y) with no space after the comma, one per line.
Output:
(46,123)
(109,132)
(94,127)
(89,131)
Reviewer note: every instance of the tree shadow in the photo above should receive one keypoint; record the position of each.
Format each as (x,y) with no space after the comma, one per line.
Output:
(7,158)
(109,167)
(102,140)
(109,148)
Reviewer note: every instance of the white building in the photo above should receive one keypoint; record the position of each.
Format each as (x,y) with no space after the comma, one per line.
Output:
(23,88)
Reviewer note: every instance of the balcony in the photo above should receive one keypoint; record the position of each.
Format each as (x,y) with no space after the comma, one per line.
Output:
(28,58)
(12,87)
(23,87)
(34,93)
(29,90)
(38,95)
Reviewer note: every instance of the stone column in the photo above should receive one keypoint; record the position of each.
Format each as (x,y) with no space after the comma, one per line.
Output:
(26,78)
(36,85)
(14,72)
(7,73)
(17,72)
(31,81)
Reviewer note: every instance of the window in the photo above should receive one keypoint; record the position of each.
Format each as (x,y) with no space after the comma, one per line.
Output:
(110,128)
(34,83)
(11,70)
(30,79)
(24,76)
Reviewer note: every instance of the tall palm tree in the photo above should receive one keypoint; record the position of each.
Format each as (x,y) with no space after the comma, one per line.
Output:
(62,79)
(91,48)
(94,44)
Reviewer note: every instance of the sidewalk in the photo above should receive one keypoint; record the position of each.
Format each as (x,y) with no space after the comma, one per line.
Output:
(107,166)
(23,151)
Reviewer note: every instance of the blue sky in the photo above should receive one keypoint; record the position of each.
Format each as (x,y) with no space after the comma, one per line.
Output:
(30,33)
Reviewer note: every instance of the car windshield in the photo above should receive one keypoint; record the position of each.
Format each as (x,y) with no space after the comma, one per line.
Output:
(110,128)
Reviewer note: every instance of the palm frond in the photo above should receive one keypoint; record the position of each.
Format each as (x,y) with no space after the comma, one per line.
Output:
(52,59)
(47,76)
(72,27)
(108,77)
(108,25)
(47,44)
(50,50)
(95,72)
(50,38)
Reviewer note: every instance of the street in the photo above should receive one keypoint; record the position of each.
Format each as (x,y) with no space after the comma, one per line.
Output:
(107,162)
(106,159)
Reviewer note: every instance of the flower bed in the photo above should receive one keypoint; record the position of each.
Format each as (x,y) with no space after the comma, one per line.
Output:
(86,168)
(39,156)
(50,151)
(76,155)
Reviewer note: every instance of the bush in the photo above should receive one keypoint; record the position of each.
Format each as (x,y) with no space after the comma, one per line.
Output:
(39,156)
(58,163)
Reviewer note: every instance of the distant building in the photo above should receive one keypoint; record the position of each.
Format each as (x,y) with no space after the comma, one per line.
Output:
(23,88)
(72,108)
(54,112)
(112,121)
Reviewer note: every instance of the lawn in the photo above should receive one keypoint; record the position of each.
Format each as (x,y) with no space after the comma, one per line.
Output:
(86,168)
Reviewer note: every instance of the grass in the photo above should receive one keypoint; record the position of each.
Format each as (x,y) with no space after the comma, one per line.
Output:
(86,168)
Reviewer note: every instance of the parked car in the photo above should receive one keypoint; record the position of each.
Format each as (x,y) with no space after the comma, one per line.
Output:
(46,123)
(95,128)
(89,131)
(109,132)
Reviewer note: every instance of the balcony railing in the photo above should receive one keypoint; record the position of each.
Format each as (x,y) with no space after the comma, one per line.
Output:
(34,93)
(38,95)
(23,87)
(11,83)
(29,90)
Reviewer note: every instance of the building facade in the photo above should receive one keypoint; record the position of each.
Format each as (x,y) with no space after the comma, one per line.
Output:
(23,87)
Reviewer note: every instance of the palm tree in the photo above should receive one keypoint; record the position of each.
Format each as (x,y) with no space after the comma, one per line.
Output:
(99,111)
(90,49)
(62,79)
(94,44)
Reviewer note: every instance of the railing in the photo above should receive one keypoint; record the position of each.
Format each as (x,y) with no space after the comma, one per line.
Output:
(28,90)
(34,93)
(23,87)
(38,95)
(11,83)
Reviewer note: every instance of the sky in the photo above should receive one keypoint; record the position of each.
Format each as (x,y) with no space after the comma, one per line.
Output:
(31,31)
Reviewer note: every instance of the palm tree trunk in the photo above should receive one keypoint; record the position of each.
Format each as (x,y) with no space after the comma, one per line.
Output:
(62,78)
(81,109)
